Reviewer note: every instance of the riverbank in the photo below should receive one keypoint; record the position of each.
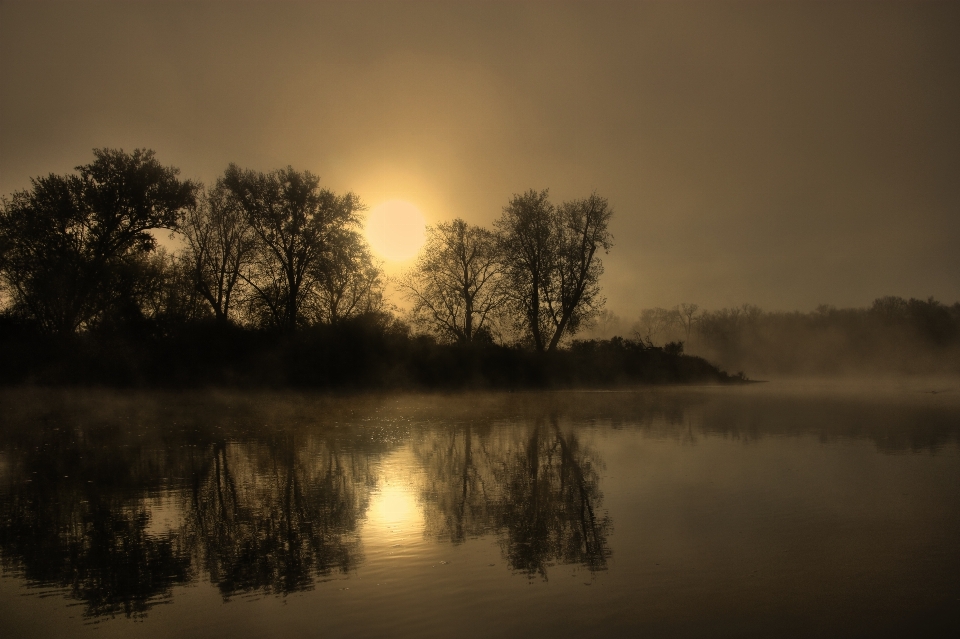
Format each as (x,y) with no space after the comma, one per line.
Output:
(351,356)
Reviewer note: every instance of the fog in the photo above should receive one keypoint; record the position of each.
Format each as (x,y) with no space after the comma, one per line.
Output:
(893,337)
(780,154)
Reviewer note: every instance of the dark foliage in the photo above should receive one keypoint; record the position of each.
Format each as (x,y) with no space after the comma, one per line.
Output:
(74,249)
(371,351)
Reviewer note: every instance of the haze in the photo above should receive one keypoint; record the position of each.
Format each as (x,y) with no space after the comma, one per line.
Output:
(782,154)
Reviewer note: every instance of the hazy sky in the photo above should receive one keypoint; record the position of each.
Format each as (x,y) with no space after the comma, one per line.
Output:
(778,153)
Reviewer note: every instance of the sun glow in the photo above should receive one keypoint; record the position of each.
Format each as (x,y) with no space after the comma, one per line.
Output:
(396,230)
(394,505)
(394,513)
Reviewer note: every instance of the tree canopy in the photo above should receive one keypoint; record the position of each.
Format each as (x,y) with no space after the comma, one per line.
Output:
(538,274)
(73,246)
(297,226)
(551,262)
(277,250)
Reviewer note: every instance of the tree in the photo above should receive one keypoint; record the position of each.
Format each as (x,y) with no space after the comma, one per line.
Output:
(455,285)
(688,315)
(220,245)
(575,297)
(551,262)
(526,237)
(658,324)
(349,282)
(295,223)
(72,247)
(166,292)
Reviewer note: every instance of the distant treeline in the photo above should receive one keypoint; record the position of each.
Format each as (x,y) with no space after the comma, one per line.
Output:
(892,336)
(275,285)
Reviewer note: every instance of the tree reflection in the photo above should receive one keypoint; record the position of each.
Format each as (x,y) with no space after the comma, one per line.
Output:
(101,555)
(116,566)
(59,528)
(79,505)
(277,519)
(538,488)
(459,504)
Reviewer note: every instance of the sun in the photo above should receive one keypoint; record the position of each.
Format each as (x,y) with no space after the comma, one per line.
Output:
(396,230)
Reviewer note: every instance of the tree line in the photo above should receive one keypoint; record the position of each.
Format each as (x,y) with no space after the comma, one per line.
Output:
(274,284)
(79,252)
(275,250)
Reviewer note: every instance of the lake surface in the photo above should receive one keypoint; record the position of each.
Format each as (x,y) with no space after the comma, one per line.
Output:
(774,509)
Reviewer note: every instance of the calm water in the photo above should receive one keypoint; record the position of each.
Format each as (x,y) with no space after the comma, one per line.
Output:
(777,509)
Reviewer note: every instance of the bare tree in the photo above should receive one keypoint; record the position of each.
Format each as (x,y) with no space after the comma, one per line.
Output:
(688,316)
(552,264)
(526,236)
(220,245)
(574,296)
(605,325)
(657,324)
(455,285)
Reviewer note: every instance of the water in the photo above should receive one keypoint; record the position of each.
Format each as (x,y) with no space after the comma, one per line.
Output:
(776,509)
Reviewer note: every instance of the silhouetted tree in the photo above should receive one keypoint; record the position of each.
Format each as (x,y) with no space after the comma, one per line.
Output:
(167,291)
(575,295)
(349,282)
(295,222)
(220,245)
(526,231)
(455,285)
(71,247)
(551,262)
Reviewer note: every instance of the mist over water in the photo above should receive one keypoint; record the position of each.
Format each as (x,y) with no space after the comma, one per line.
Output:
(787,509)
(892,338)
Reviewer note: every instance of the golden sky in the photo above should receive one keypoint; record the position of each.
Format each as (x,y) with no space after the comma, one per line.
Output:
(779,153)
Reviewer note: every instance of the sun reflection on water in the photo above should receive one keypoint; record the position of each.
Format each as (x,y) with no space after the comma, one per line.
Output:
(394,521)
(393,505)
